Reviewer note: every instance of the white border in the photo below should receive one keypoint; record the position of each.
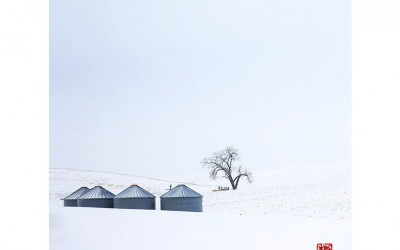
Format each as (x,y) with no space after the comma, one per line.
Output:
(376,124)
(24,124)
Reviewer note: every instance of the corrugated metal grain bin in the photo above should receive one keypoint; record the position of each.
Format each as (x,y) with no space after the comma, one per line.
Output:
(135,197)
(182,198)
(96,197)
(71,200)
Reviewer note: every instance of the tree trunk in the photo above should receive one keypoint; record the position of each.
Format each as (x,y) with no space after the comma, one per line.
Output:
(232,183)
(235,184)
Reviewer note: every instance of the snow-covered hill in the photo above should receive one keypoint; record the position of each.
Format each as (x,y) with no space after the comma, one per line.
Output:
(318,190)
(291,208)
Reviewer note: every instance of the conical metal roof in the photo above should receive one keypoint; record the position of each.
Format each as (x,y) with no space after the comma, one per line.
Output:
(78,193)
(98,192)
(181,191)
(134,191)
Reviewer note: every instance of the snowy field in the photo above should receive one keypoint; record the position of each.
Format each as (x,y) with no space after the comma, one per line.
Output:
(290,207)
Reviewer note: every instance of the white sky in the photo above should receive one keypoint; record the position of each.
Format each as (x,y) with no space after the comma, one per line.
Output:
(152,87)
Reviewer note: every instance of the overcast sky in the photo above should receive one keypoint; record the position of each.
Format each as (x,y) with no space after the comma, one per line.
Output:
(151,87)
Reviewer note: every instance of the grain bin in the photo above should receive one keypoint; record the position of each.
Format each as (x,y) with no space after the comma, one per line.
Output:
(182,198)
(71,200)
(96,197)
(135,197)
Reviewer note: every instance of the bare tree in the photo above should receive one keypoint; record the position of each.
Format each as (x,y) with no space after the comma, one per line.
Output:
(224,162)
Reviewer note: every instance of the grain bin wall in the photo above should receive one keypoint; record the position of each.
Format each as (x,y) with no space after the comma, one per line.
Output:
(182,204)
(70,203)
(135,203)
(105,203)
